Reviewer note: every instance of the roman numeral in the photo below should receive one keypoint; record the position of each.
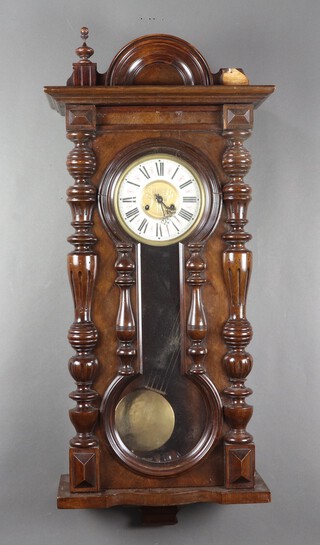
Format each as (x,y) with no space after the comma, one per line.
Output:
(175,172)
(132,213)
(143,225)
(158,231)
(144,171)
(185,214)
(175,226)
(132,183)
(129,199)
(160,169)
(182,186)
(189,199)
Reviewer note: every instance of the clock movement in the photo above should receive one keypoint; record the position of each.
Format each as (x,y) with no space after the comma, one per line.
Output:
(159,275)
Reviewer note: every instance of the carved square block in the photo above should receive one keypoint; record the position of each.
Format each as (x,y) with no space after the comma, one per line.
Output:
(237,116)
(240,466)
(84,75)
(84,470)
(81,117)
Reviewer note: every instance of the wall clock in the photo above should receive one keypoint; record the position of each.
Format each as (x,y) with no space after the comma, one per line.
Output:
(159,276)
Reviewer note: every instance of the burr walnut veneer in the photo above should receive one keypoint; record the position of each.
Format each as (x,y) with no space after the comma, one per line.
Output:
(159,274)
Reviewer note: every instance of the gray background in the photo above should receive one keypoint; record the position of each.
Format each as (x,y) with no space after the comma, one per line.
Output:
(276,42)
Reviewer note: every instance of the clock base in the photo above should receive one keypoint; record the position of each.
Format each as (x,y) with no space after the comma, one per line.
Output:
(160,496)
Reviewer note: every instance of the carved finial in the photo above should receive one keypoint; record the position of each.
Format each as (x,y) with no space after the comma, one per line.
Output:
(84,52)
(84,33)
(84,71)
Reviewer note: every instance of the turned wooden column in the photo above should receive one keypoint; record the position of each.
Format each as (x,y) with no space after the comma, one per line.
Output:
(82,266)
(125,325)
(196,323)
(237,333)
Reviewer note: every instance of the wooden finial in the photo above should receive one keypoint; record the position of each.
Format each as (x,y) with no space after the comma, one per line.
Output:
(84,33)
(84,71)
(84,52)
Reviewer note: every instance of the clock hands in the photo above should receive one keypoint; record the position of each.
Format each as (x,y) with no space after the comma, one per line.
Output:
(166,210)
(169,215)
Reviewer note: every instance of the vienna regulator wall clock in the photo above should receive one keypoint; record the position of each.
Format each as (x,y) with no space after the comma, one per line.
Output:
(159,275)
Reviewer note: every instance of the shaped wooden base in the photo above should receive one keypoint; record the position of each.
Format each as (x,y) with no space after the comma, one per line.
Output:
(160,496)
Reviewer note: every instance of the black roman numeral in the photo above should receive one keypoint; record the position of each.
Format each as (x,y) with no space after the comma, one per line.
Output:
(143,225)
(189,199)
(175,172)
(160,168)
(132,183)
(144,171)
(182,186)
(174,225)
(185,214)
(158,231)
(132,213)
(129,199)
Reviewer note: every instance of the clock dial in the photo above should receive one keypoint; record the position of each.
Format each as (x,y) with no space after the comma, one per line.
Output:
(159,199)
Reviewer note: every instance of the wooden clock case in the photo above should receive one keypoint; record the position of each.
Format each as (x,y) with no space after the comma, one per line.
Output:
(159,92)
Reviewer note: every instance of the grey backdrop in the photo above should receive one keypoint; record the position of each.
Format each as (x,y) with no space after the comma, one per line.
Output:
(276,42)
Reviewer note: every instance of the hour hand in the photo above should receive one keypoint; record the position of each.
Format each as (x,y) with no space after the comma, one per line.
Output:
(159,198)
(167,210)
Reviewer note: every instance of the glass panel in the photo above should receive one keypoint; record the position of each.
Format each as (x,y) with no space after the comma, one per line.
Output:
(162,414)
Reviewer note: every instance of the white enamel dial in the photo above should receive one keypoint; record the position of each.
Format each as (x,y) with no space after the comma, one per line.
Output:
(159,199)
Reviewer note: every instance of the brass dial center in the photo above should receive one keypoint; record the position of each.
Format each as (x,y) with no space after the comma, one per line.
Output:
(160,199)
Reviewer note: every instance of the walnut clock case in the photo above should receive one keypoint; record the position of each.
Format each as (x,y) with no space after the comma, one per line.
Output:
(159,276)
